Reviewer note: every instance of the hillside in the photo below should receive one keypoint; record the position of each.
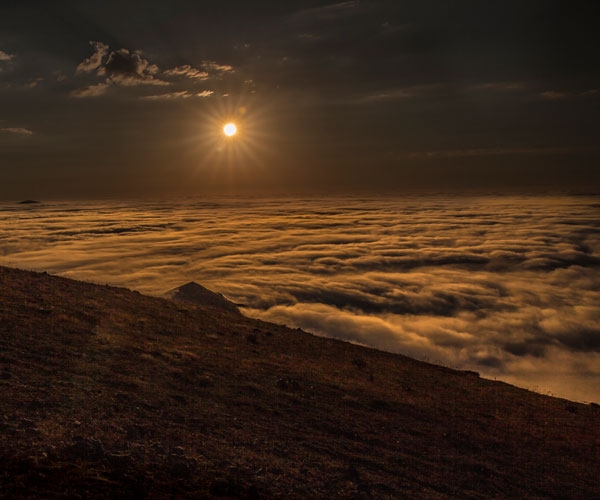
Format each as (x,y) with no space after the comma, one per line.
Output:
(106,393)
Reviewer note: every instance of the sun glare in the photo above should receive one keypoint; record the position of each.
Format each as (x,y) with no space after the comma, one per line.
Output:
(230,129)
(231,144)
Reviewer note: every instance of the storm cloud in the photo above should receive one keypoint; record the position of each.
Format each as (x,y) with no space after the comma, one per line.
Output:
(507,286)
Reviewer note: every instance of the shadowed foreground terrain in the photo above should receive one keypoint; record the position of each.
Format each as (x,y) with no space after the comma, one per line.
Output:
(106,393)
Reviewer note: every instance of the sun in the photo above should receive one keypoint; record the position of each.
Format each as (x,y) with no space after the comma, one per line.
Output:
(230,139)
(230,129)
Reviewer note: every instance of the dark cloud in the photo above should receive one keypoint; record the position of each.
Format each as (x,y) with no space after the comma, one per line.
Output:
(536,348)
(130,68)
(369,96)
(121,67)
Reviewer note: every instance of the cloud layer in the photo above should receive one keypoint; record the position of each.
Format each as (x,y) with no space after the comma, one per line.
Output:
(507,286)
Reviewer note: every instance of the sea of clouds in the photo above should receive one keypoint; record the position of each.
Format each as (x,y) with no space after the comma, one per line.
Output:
(508,286)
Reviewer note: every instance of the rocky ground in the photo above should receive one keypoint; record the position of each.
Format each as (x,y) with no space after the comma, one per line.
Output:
(106,393)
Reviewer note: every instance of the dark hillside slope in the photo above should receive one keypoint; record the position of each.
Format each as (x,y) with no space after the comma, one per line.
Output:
(106,393)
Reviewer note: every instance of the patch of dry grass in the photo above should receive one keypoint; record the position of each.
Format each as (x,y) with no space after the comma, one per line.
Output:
(107,393)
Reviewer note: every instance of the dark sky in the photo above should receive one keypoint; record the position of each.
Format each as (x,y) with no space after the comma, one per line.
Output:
(129,98)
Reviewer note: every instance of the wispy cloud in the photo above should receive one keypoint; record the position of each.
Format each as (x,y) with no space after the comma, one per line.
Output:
(129,68)
(508,286)
(16,130)
(499,86)
(187,71)
(408,92)
(478,152)
(214,66)
(331,11)
(91,90)
(94,62)
(182,94)
(554,95)
(5,57)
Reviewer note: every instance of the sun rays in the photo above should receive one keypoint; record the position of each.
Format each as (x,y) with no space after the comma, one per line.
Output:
(228,141)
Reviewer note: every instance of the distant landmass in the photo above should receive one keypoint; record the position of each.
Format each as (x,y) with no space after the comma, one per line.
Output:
(28,202)
(107,393)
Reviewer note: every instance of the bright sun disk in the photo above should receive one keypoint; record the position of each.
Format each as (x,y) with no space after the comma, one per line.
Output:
(230,129)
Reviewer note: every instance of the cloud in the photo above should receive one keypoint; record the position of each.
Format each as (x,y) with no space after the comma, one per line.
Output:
(478,152)
(332,11)
(121,67)
(91,90)
(408,92)
(214,66)
(34,83)
(182,94)
(555,95)
(5,57)
(187,71)
(94,62)
(129,68)
(16,130)
(499,86)
(508,286)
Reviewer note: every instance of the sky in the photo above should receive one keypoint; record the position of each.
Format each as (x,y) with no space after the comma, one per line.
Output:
(128,98)
(507,286)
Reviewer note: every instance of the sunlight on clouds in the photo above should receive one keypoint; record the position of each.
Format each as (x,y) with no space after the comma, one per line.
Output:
(129,68)
(506,286)
(5,58)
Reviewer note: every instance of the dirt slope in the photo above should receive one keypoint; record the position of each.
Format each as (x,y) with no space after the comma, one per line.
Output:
(106,393)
